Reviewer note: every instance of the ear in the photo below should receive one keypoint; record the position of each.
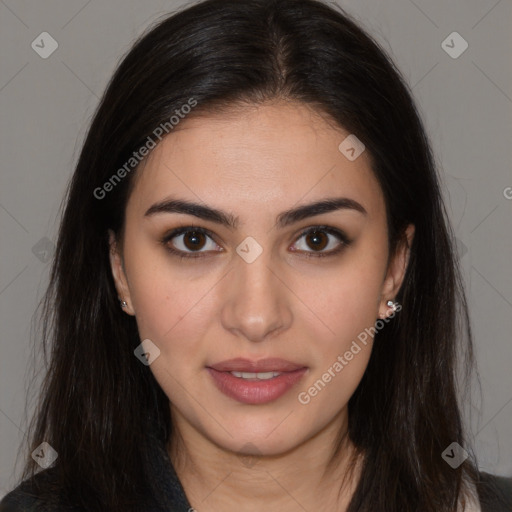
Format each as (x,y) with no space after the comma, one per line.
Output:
(396,271)
(116,265)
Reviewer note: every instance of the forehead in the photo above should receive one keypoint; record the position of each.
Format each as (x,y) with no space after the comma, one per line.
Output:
(257,159)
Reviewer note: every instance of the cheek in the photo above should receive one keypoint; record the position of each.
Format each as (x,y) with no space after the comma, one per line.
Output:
(174,315)
(347,306)
(346,299)
(171,306)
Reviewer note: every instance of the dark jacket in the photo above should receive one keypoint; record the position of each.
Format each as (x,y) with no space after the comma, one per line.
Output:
(167,494)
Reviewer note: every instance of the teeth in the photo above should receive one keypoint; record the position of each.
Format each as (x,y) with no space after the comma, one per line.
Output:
(258,376)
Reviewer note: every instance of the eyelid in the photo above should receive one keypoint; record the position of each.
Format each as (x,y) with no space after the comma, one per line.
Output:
(180,231)
(338,233)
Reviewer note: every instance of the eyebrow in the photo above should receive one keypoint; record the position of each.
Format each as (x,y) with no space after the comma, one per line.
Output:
(284,219)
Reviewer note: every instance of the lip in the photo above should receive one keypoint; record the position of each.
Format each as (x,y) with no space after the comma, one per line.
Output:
(256,392)
(240,364)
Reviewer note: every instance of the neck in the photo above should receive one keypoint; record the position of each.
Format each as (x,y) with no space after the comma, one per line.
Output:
(216,479)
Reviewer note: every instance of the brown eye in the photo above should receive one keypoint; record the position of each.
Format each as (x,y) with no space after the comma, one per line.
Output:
(189,242)
(317,240)
(194,240)
(321,241)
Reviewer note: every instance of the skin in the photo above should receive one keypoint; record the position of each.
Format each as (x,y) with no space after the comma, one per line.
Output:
(255,163)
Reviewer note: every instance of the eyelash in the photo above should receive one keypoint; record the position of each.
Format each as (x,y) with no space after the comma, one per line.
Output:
(345,241)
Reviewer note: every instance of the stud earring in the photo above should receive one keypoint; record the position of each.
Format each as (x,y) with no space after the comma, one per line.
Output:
(124,304)
(391,304)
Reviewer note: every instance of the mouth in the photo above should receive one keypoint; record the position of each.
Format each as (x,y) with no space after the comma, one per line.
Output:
(256,382)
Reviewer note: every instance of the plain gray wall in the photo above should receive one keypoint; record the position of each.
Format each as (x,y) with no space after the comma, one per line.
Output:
(466,102)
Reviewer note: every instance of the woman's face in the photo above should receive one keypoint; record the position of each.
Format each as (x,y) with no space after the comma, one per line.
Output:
(253,293)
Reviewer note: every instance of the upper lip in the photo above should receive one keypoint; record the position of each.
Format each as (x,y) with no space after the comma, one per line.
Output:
(263,365)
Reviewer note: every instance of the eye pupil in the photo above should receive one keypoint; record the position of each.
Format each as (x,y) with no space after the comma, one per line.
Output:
(315,236)
(194,237)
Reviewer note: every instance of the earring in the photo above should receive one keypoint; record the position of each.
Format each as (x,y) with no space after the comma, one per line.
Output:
(391,304)
(124,303)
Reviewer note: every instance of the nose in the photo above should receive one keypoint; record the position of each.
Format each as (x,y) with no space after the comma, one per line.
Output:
(257,303)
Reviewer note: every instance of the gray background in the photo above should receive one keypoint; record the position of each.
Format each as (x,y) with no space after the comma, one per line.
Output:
(46,105)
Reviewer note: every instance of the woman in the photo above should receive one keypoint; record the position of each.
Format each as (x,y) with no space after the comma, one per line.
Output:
(254,300)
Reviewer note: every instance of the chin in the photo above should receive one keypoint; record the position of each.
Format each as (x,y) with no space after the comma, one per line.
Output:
(262,440)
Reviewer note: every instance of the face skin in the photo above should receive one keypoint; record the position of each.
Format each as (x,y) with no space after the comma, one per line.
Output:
(254,164)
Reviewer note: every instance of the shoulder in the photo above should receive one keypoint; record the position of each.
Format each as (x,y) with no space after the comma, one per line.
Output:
(45,492)
(20,500)
(495,492)
(26,497)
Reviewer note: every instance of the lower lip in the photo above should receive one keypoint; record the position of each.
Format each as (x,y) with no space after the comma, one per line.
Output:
(252,391)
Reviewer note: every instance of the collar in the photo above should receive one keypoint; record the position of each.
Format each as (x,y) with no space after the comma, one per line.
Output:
(166,493)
